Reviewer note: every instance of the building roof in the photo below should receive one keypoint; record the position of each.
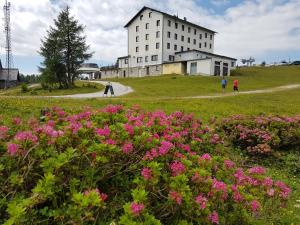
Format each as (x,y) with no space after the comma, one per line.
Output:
(207,53)
(124,57)
(168,15)
(13,74)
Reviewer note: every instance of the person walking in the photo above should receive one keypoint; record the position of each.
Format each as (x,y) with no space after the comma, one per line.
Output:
(224,84)
(107,88)
(235,85)
(111,90)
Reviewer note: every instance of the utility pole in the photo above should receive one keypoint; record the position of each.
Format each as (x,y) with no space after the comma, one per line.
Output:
(6,9)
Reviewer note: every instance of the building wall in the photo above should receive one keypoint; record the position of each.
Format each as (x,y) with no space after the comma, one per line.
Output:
(186,56)
(173,68)
(184,45)
(203,67)
(142,42)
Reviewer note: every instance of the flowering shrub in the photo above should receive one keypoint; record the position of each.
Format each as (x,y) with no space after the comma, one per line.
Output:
(262,135)
(128,166)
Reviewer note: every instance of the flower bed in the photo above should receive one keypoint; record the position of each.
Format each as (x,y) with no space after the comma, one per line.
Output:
(262,135)
(127,166)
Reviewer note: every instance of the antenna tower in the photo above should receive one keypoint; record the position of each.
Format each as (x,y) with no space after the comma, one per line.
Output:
(6,9)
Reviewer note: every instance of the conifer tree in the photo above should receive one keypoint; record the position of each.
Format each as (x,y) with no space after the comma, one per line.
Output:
(64,49)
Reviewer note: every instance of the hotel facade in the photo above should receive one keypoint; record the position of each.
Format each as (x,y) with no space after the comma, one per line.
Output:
(159,43)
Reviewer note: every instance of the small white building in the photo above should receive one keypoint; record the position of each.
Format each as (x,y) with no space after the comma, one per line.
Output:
(159,43)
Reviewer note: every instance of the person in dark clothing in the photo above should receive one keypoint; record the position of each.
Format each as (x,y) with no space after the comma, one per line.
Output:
(112,90)
(109,88)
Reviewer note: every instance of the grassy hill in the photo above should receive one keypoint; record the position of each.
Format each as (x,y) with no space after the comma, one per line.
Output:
(181,86)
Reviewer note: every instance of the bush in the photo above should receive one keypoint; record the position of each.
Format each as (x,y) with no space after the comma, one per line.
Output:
(128,166)
(262,134)
(24,88)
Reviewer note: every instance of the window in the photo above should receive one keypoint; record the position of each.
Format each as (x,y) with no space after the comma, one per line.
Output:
(175,47)
(205,45)
(154,58)
(195,31)
(157,68)
(139,59)
(189,30)
(211,37)
(146,47)
(137,38)
(175,36)
(232,64)
(141,17)
(126,61)
(168,45)
(188,49)
(189,40)
(147,26)
(200,45)
(147,37)
(182,48)
(150,14)
(210,46)
(182,27)
(182,38)
(137,49)
(194,41)
(169,34)
(157,34)
(169,23)
(146,58)
(171,58)
(157,45)
(176,25)
(158,23)
(205,35)
(200,36)
(137,28)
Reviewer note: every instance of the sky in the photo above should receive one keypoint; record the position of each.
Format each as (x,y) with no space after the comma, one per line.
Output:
(268,30)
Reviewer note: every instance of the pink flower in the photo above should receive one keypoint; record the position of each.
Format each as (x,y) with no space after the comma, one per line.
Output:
(257,170)
(220,186)
(129,129)
(12,149)
(103,132)
(237,197)
(147,173)
(113,109)
(177,197)
(127,148)
(228,164)
(214,217)
(284,189)
(255,205)
(177,168)
(271,192)
(136,208)
(206,157)
(3,132)
(165,147)
(17,121)
(24,136)
(110,142)
(268,182)
(201,201)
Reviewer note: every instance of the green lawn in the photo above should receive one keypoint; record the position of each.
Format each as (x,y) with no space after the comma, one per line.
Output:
(179,85)
(81,87)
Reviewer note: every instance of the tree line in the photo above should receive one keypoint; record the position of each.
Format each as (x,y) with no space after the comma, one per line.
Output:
(63,49)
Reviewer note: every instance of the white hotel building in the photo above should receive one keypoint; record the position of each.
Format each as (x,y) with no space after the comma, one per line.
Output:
(159,43)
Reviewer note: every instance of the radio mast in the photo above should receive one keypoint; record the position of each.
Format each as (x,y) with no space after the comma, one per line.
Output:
(6,9)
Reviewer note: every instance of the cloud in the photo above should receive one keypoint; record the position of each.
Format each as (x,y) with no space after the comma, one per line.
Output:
(249,28)
(219,2)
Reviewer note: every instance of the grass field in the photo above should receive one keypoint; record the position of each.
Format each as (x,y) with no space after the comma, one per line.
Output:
(181,86)
(80,87)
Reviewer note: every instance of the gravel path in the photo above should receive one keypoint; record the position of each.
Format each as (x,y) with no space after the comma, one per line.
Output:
(121,90)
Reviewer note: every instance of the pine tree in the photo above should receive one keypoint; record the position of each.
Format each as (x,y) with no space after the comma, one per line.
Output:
(64,50)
